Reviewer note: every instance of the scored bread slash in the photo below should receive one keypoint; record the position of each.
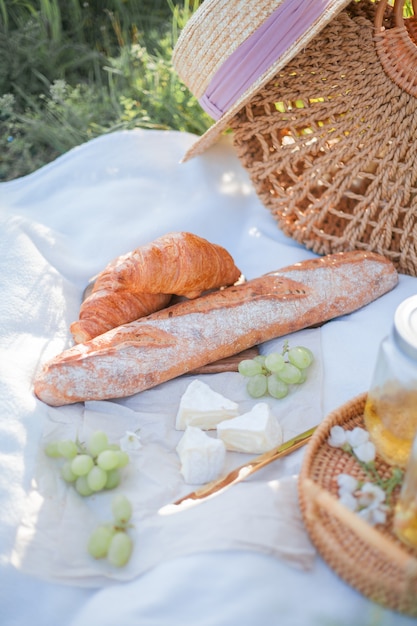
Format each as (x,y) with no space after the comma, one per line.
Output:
(177,340)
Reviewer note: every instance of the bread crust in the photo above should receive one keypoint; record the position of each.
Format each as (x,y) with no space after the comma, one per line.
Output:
(187,335)
(144,280)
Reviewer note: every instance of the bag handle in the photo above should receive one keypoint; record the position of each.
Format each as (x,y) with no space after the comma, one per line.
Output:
(397,51)
(398,9)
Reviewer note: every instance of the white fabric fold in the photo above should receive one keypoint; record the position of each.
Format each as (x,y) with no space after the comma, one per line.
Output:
(261,514)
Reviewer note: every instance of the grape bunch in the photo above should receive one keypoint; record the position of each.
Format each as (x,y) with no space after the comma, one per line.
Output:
(112,540)
(90,467)
(274,373)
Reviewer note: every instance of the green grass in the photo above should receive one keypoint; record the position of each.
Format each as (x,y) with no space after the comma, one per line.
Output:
(71,71)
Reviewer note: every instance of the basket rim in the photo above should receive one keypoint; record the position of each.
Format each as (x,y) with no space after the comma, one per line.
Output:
(350,546)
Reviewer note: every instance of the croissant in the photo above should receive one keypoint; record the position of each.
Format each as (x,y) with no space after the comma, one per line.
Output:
(104,310)
(142,281)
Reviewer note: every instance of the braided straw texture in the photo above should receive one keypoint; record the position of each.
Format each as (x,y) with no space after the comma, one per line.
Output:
(386,575)
(330,145)
(397,50)
(411,26)
(200,51)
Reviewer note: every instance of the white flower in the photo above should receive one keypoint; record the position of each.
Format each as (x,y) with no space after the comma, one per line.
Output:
(371,496)
(365,452)
(367,501)
(337,437)
(349,501)
(374,516)
(357,436)
(130,441)
(371,504)
(356,440)
(347,484)
(379,515)
(347,491)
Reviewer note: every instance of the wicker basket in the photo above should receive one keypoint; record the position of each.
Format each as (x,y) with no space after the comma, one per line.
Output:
(330,143)
(396,47)
(371,559)
(411,23)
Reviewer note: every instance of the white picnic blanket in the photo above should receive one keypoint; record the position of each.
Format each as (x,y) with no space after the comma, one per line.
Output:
(228,560)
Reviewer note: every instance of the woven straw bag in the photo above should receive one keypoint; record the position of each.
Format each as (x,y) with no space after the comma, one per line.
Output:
(330,143)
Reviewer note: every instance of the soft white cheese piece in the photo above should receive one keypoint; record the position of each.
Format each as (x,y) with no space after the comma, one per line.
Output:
(255,432)
(202,457)
(203,407)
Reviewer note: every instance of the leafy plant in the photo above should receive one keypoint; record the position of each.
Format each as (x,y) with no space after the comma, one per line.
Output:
(110,69)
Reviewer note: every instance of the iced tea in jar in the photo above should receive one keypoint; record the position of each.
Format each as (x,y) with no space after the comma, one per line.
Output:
(405,512)
(391,407)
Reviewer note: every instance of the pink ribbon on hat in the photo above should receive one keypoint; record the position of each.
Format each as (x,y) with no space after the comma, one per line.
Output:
(259,52)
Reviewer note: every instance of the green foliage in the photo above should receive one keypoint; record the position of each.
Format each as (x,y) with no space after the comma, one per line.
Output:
(72,70)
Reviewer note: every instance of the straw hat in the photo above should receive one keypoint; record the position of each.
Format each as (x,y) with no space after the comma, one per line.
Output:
(229,49)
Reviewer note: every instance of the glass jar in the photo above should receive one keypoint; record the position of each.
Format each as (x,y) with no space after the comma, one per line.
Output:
(405,512)
(391,407)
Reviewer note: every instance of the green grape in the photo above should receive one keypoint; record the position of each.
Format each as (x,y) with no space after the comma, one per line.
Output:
(108,459)
(277,388)
(120,549)
(96,478)
(274,362)
(82,464)
(122,458)
(121,508)
(97,442)
(272,374)
(92,467)
(51,449)
(303,377)
(67,473)
(82,487)
(67,448)
(290,374)
(250,367)
(257,386)
(99,542)
(300,357)
(113,479)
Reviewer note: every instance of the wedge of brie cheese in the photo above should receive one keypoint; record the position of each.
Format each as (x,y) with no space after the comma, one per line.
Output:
(255,432)
(203,407)
(202,457)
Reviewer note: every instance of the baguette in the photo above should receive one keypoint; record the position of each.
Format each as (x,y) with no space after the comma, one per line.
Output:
(187,335)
